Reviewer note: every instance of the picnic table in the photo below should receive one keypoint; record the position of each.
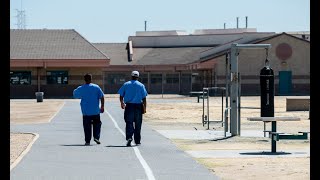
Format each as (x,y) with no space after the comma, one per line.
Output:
(275,136)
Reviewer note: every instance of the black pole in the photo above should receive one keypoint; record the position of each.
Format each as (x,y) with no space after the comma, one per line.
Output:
(222,106)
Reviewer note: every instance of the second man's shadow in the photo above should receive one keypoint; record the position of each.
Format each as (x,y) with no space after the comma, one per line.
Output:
(120,146)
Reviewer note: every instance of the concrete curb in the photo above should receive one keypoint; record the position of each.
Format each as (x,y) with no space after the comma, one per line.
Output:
(24,152)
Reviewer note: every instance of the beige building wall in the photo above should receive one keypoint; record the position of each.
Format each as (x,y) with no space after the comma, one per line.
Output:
(78,73)
(251,61)
(220,69)
(299,63)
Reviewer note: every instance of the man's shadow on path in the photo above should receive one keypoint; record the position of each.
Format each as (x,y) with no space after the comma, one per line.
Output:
(121,146)
(96,145)
(76,145)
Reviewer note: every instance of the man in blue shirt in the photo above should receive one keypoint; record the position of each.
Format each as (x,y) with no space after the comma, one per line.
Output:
(133,101)
(90,94)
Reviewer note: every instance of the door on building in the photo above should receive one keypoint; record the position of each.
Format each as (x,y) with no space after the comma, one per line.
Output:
(285,82)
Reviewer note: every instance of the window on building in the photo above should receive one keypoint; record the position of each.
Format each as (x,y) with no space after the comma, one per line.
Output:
(172,78)
(185,78)
(143,78)
(116,78)
(20,77)
(156,78)
(57,77)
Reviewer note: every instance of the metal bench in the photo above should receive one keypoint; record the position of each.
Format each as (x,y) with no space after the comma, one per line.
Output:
(198,94)
(272,119)
(276,136)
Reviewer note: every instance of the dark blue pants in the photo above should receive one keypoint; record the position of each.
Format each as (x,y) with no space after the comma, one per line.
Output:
(88,123)
(133,119)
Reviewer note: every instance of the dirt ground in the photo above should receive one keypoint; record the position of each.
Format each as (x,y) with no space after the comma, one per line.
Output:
(184,113)
(29,112)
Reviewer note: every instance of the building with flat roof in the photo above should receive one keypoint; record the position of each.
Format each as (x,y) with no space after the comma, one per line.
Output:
(173,63)
(54,61)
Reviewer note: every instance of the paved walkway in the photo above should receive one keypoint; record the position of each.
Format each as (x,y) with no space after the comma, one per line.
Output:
(59,152)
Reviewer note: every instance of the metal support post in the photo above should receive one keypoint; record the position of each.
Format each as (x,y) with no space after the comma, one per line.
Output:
(274,143)
(239,103)
(203,116)
(208,116)
(227,91)
(234,90)
(234,84)
(222,106)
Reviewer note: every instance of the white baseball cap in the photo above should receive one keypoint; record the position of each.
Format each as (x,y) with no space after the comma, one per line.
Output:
(135,74)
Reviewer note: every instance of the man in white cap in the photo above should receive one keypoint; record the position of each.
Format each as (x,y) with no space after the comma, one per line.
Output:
(133,100)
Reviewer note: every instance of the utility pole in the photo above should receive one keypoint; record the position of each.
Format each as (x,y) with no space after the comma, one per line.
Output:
(246,21)
(145,25)
(237,22)
(21,18)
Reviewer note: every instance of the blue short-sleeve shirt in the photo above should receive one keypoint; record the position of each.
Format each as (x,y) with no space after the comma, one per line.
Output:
(133,92)
(90,95)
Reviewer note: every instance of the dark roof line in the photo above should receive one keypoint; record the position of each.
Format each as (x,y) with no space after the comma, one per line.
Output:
(109,43)
(223,44)
(178,46)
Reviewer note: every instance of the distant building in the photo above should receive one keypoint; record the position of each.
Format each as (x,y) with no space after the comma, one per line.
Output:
(53,61)
(289,58)
(173,63)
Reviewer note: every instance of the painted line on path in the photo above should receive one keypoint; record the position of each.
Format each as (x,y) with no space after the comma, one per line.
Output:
(144,164)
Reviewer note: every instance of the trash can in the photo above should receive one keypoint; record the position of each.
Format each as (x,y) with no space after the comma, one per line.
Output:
(39,96)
